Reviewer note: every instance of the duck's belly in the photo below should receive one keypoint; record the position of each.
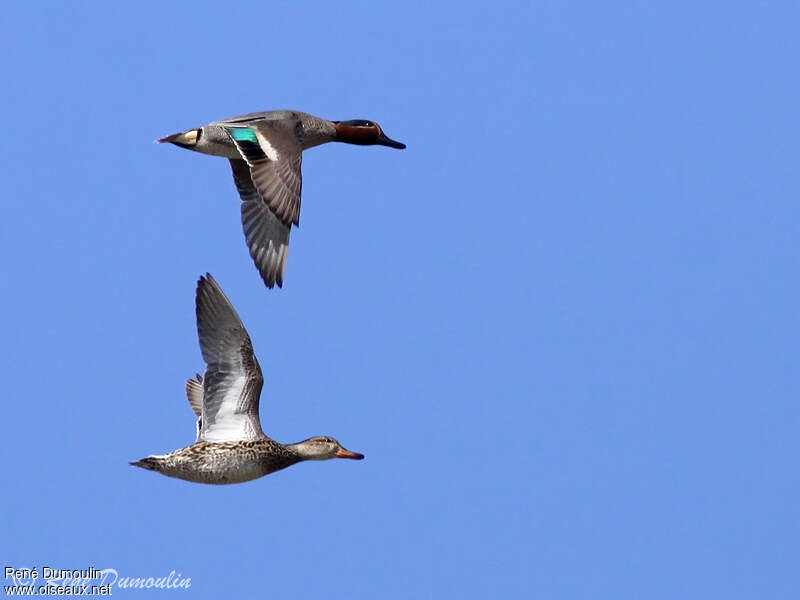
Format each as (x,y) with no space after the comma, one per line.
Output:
(216,141)
(217,473)
(219,464)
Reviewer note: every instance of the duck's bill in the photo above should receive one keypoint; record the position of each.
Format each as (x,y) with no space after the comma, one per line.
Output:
(384,140)
(348,454)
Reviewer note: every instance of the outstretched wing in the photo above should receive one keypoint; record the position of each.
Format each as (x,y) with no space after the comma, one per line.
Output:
(194,393)
(269,182)
(232,381)
(266,236)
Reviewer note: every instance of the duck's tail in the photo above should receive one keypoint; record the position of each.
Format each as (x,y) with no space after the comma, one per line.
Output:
(150,463)
(184,139)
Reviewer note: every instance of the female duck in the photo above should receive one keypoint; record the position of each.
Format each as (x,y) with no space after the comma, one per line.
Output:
(230,445)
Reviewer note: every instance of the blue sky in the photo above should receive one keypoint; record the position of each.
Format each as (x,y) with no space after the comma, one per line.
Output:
(561,325)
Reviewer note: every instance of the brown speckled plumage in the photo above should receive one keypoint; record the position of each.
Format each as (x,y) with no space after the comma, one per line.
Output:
(223,462)
(230,446)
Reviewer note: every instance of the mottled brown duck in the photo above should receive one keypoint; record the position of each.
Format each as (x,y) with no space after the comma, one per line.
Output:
(230,445)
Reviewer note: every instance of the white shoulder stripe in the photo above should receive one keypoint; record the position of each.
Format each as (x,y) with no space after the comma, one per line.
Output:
(268,148)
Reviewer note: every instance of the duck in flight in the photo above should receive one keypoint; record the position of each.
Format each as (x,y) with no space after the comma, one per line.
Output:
(230,445)
(265,152)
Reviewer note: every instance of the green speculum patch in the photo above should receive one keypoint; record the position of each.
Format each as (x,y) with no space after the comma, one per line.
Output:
(243,134)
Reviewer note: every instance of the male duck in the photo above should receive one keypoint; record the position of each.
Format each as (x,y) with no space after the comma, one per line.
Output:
(265,153)
(230,445)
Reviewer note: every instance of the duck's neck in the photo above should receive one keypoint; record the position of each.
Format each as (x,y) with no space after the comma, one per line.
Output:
(303,451)
(317,131)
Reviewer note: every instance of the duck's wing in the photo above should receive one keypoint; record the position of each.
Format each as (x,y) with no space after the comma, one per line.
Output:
(266,236)
(194,393)
(273,158)
(232,381)
(245,119)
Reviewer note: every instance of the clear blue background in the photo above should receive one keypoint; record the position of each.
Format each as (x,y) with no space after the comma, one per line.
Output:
(562,325)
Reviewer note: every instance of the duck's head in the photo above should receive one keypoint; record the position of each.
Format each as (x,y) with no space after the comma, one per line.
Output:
(322,447)
(363,133)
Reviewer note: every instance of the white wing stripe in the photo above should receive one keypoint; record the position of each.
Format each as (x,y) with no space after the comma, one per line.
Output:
(268,148)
